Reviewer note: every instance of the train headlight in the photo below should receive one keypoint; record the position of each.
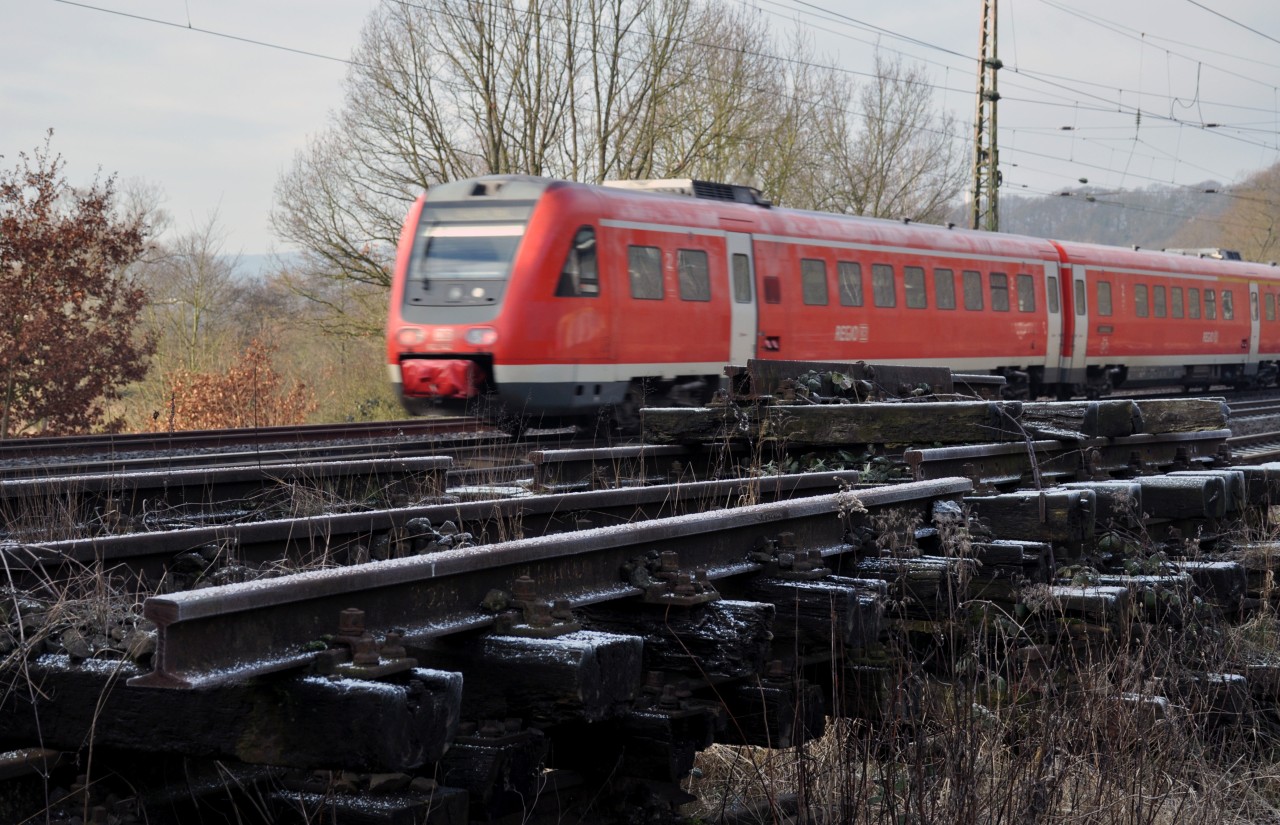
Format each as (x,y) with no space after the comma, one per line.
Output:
(481,336)
(410,336)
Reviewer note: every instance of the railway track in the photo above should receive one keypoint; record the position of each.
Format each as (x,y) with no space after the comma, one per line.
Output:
(645,608)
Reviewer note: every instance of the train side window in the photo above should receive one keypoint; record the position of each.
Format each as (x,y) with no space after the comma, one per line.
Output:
(1026,293)
(1079,296)
(913,284)
(579,277)
(1159,304)
(1104,297)
(1175,299)
(972,289)
(813,281)
(944,288)
(1193,302)
(741,278)
(644,263)
(850,277)
(772,289)
(1269,306)
(999,292)
(882,288)
(1228,305)
(1140,304)
(695,277)
(1253,306)
(1051,289)
(1210,305)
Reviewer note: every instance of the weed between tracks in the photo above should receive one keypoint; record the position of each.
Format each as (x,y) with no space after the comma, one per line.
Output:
(1025,713)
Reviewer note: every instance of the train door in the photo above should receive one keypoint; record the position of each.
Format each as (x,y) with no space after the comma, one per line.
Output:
(1254,330)
(1053,305)
(741,288)
(1075,365)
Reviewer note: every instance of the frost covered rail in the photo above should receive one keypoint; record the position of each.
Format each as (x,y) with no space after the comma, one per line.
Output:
(183,440)
(224,634)
(1018,463)
(340,538)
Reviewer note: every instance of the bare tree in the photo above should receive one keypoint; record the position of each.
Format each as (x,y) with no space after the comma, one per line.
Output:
(593,90)
(895,157)
(194,294)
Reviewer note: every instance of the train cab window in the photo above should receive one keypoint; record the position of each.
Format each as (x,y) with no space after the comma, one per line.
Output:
(772,289)
(1175,301)
(1078,292)
(972,289)
(741,278)
(944,289)
(695,277)
(1269,306)
(1210,305)
(1141,307)
(644,263)
(579,277)
(913,284)
(850,276)
(1026,293)
(1193,302)
(999,292)
(1228,305)
(1104,297)
(1051,289)
(813,281)
(883,291)
(1158,301)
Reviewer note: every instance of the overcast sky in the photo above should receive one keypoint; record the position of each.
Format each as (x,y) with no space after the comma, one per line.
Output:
(212,121)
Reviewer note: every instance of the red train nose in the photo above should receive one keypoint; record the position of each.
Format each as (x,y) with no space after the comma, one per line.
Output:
(440,379)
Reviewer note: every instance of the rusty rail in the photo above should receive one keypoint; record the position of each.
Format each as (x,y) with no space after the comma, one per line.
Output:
(223,634)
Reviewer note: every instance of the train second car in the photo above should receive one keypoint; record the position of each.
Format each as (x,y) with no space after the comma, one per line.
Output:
(543,299)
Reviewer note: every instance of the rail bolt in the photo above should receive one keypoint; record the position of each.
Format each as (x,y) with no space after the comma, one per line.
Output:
(351,622)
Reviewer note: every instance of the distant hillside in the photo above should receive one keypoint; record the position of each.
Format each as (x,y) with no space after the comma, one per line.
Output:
(1154,217)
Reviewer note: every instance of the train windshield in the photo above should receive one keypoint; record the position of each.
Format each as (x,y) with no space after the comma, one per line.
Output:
(466,252)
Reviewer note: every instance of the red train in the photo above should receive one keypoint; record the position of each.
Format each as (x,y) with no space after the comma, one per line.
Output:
(555,299)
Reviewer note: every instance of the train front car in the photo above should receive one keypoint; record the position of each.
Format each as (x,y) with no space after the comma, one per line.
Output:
(474,298)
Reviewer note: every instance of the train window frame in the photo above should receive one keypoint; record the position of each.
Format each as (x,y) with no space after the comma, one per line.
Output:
(1078,294)
(1253,305)
(913,287)
(944,297)
(1141,300)
(971,284)
(1051,292)
(999,285)
(1228,302)
(641,274)
(884,290)
(580,274)
(849,276)
(1210,304)
(1103,298)
(1159,301)
(741,265)
(1193,302)
(1175,302)
(1026,290)
(1269,306)
(694,275)
(813,282)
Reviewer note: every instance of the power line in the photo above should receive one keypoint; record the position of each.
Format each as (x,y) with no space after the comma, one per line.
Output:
(1235,22)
